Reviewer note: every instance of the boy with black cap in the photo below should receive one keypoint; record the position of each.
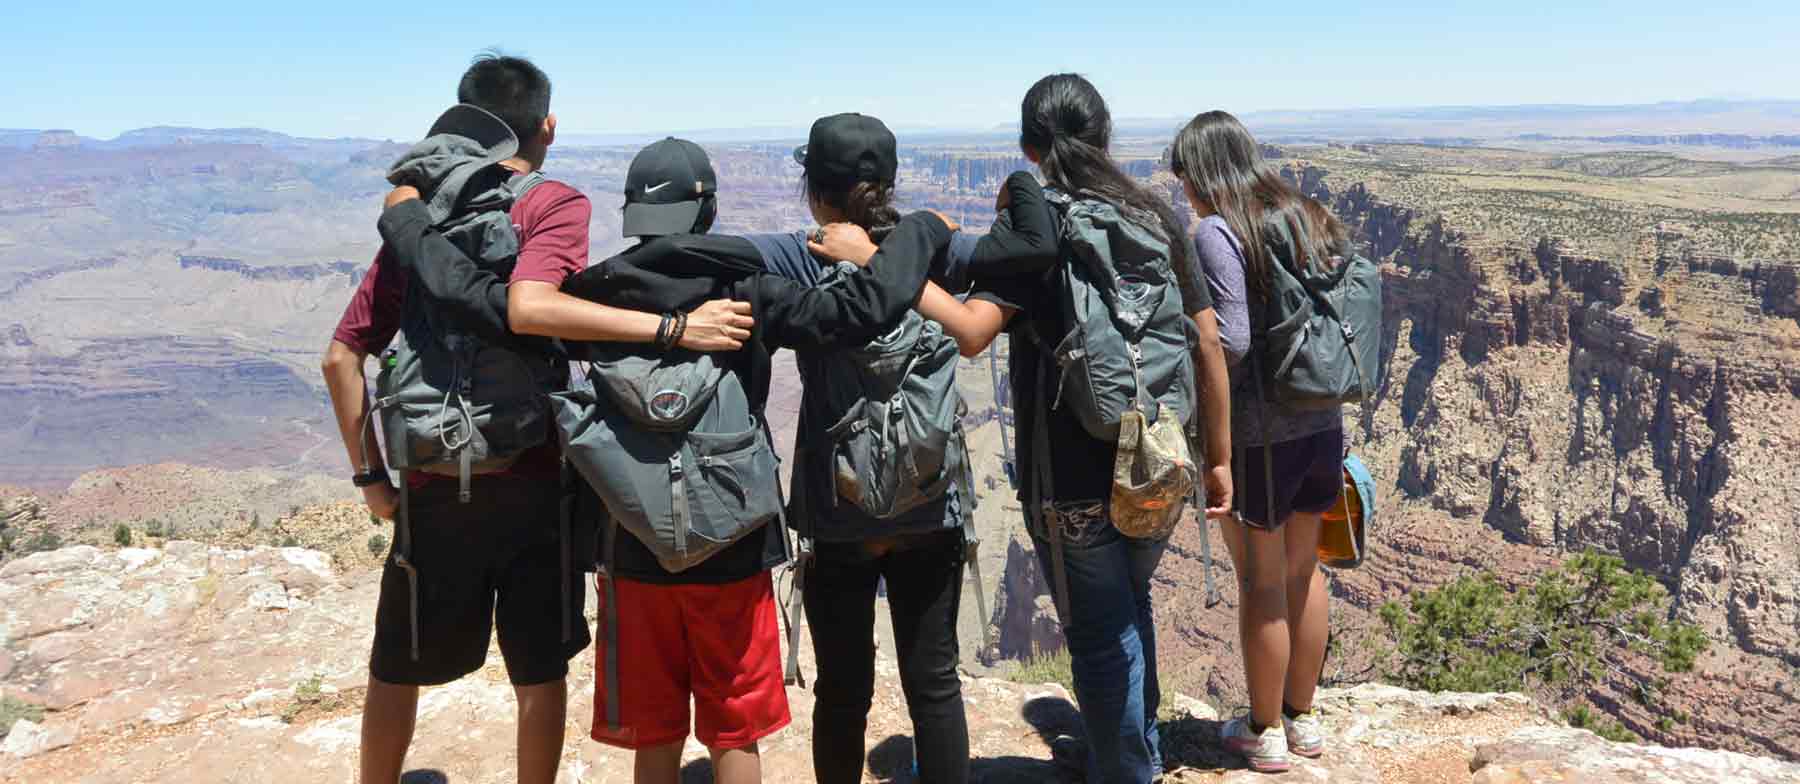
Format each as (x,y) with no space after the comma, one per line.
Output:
(496,560)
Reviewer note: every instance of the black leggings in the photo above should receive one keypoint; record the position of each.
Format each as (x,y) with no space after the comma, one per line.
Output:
(924,589)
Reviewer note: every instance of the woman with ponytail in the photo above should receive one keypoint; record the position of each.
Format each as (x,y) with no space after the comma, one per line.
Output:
(1065,129)
(1243,206)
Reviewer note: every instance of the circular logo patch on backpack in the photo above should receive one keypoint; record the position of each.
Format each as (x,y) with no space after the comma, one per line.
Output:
(668,405)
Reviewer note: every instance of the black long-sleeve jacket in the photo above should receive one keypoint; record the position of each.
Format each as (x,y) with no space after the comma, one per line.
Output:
(679,273)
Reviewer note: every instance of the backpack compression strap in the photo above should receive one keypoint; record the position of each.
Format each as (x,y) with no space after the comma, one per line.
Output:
(610,659)
(793,611)
(565,514)
(972,541)
(1041,503)
(403,560)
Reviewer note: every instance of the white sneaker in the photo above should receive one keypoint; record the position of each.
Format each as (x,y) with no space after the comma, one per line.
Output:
(1266,753)
(1305,734)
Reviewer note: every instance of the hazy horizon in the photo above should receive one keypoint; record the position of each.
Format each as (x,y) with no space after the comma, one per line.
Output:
(338,69)
(1337,121)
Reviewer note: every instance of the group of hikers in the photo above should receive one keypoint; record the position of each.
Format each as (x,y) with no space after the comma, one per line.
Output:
(540,418)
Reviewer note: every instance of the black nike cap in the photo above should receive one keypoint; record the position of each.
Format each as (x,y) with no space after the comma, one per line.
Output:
(845,149)
(666,188)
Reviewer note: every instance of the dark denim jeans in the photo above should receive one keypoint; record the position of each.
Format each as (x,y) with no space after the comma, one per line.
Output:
(1112,645)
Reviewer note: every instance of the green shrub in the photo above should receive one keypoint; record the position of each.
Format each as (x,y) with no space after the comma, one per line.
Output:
(13,709)
(6,542)
(154,528)
(1586,718)
(1556,638)
(309,695)
(377,545)
(43,542)
(290,541)
(1053,667)
(122,535)
(255,520)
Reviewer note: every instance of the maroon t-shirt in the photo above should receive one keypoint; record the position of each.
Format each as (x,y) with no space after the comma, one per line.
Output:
(552,221)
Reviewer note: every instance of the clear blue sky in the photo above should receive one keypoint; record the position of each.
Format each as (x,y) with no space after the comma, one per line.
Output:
(372,68)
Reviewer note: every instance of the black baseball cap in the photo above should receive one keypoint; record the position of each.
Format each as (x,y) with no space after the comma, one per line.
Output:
(666,188)
(845,149)
(480,126)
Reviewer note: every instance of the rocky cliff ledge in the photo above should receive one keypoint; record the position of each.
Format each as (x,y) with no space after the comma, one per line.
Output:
(1597,378)
(198,664)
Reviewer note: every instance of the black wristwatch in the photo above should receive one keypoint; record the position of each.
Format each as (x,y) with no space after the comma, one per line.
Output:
(369,478)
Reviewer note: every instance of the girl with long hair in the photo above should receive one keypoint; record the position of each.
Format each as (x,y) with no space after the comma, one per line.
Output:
(1243,203)
(1065,129)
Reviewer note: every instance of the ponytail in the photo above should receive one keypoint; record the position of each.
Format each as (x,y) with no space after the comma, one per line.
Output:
(1066,123)
(866,204)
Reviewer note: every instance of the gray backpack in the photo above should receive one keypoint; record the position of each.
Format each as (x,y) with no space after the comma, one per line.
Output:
(896,437)
(895,415)
(673,450)
(1324,324)
(1129,342)
(449,402)
(1129,347)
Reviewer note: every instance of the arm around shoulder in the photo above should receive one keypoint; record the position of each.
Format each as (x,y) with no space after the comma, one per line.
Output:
(870,302)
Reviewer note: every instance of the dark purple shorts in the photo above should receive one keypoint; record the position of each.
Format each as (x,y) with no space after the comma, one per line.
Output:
(1309,476)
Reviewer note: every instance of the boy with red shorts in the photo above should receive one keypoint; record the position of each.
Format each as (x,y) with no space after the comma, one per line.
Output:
(708,632)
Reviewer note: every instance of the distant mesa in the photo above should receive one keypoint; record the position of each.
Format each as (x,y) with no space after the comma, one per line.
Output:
(55,139)
(271,272)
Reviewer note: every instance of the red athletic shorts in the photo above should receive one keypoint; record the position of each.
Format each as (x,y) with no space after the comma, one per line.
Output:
(718,644)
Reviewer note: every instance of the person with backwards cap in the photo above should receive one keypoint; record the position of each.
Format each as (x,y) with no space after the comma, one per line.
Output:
(850,164)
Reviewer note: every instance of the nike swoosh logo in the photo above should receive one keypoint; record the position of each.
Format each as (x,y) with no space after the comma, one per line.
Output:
(649,190)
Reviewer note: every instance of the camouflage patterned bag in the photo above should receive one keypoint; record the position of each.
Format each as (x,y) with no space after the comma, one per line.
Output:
(1153,474)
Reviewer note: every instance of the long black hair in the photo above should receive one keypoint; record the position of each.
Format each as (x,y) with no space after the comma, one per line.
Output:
(1216,155)
(1064,121)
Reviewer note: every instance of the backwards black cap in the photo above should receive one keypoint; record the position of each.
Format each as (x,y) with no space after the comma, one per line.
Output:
(480,126)
(845,149)
(666,188)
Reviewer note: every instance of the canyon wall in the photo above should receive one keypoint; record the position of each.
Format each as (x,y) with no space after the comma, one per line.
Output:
(1541,397)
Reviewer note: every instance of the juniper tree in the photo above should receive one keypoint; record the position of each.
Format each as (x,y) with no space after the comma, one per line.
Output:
(1558,637)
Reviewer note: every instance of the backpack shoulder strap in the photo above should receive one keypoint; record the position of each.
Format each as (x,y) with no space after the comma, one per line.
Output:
(523,184)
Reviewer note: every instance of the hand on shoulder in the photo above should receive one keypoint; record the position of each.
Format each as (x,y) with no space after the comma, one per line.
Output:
(837,242)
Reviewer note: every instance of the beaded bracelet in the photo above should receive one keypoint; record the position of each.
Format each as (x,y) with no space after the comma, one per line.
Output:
(662,333)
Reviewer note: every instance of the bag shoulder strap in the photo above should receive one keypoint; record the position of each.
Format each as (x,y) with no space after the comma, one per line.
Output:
(524,184)
(1040,501)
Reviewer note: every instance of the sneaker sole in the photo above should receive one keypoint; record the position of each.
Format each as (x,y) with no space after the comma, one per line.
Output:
(1270,767)
(1307,753)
